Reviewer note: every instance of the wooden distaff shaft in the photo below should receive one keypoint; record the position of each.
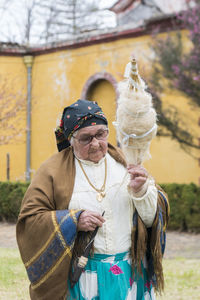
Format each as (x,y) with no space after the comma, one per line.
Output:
(133,74)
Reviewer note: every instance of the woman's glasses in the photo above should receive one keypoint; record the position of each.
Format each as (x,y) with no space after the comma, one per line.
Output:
(86,139)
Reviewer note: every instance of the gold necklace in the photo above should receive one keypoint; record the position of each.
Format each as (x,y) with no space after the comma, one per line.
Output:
(101,192)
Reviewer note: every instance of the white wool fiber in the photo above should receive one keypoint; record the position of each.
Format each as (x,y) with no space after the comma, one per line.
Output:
(136,116)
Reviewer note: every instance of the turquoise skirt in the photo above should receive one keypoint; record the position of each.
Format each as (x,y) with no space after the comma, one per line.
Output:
(109,277)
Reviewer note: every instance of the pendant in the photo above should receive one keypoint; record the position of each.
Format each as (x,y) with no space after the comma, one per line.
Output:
(103,194)
(100,196)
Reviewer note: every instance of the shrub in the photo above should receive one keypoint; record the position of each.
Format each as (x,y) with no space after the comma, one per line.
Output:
(184,202)
(11,195)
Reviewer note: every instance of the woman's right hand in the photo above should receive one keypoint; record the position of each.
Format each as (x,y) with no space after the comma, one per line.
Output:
(89,220)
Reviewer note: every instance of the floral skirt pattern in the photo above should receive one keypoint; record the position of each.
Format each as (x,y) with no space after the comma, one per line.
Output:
(109,277)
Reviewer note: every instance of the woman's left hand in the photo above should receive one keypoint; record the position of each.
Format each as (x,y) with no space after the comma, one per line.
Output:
(139,177)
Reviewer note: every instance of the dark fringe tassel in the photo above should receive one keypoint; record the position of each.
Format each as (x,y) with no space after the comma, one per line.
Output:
(139,245)
(155,241)
(157,256)
(134,234)
(140,237)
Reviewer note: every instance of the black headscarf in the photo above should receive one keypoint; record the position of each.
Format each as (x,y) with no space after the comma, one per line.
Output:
(82,113)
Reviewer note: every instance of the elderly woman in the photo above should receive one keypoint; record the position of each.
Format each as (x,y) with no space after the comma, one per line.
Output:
(86,186)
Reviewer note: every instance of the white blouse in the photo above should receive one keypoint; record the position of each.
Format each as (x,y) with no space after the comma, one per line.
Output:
(115,234)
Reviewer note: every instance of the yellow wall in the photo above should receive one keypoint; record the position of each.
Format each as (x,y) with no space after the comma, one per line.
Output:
(13,85)
(58,80)
(105,96)
(170,163)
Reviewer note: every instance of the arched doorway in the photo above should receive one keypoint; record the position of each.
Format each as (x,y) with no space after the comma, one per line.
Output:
(101,88)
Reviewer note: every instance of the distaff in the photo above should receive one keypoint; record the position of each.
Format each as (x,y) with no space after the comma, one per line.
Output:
(136,117)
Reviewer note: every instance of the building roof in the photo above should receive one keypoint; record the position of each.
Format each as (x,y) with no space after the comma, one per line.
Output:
(14,49)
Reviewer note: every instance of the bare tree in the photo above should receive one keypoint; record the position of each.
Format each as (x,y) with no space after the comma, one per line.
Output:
(67,18)
(39,21)
(16,20)
(12,112)
(29,20)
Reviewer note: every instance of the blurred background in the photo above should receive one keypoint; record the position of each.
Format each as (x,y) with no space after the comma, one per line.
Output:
(55,52)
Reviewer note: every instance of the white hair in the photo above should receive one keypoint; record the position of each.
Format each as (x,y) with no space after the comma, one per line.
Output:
(72,138)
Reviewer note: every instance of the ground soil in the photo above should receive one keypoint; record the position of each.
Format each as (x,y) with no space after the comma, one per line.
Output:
(179,244)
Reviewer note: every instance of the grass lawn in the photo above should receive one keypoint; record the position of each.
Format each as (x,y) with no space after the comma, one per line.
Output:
(13,280)
(182,278)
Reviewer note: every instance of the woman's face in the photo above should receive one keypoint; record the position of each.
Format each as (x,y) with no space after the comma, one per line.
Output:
(96,149)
